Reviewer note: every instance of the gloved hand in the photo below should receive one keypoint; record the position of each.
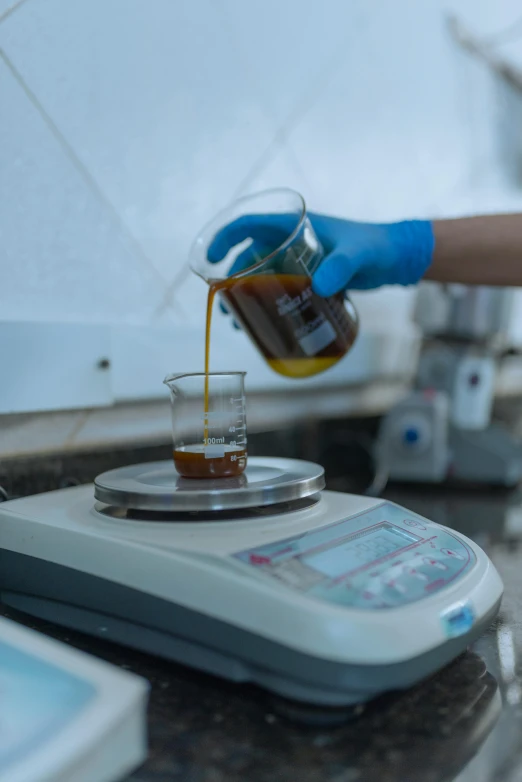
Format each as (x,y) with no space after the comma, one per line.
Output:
(358,256)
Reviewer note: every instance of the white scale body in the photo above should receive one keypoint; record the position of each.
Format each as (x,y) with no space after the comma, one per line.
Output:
(331,603)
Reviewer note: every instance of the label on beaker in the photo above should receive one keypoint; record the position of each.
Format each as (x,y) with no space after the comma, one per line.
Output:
(214,450)
(320,336)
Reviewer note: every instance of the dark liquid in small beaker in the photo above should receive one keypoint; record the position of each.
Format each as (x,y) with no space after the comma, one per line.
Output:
(191,461)
(299,333)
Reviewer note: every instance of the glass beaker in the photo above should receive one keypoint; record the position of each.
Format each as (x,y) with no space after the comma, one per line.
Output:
(298,332)
(208,424)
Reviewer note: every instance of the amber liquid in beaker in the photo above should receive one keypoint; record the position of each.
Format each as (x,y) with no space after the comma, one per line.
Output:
(299,333)
(191,461)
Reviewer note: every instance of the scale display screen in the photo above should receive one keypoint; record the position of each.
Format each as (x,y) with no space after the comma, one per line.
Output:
(361,549)
(383,558)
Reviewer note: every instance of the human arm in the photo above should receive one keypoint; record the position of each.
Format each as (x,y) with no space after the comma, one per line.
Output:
(483,250)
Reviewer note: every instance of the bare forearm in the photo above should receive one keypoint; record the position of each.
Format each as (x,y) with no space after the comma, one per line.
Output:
(478,250)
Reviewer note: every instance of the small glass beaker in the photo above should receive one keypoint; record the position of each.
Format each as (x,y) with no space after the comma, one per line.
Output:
(208,424)
(298,332)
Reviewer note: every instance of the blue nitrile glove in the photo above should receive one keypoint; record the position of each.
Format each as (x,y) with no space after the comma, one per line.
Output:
(358,256)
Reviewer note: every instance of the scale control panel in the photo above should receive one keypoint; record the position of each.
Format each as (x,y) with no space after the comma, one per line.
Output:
(383,558)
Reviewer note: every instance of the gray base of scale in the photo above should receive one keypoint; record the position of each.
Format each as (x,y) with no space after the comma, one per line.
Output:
(132,618)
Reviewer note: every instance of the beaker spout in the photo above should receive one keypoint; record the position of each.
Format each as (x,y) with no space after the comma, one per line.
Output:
(172,382)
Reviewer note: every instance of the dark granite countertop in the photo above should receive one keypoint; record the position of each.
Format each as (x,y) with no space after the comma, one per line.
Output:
(464,723)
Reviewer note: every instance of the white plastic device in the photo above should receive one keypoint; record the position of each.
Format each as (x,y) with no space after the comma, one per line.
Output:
(473,392)
(413,440)
(66,716)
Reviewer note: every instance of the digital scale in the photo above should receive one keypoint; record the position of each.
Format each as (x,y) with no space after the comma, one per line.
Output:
(320,597)
(66,716)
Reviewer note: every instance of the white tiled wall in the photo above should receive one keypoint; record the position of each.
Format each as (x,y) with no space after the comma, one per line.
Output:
(124,124)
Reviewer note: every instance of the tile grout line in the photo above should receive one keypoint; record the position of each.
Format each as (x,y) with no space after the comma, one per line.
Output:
(168,296)
(81,169)
(307,102)
(181,276)
(11,10)
(279,140)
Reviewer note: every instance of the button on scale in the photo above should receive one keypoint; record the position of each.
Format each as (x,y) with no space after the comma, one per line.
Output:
(412,572)
(448,552)
(432,562)
(414,523)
